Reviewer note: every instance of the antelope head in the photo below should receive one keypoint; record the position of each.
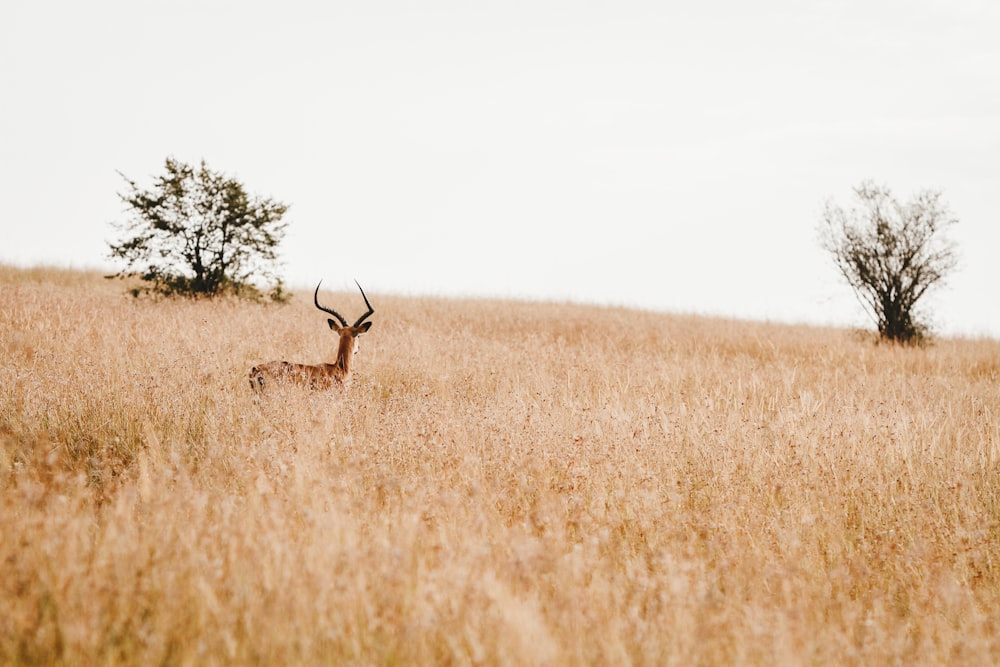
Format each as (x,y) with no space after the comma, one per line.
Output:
(348,334)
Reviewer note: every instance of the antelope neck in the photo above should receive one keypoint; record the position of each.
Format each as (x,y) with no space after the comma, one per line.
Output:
(344,350)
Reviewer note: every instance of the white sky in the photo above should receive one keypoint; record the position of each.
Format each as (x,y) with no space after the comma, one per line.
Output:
(667,155)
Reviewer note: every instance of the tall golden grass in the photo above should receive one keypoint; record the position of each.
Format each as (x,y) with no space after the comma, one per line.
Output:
(504,483)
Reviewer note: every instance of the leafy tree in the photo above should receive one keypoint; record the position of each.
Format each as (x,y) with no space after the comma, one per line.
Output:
(198,233)
(891,253)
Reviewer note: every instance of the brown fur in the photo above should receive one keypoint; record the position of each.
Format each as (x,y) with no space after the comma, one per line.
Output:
(318,376)
(314,376)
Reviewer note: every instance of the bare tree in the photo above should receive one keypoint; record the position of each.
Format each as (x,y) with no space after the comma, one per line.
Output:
(891,253)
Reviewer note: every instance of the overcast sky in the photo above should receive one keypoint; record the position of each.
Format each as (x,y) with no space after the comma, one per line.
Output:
(673,156)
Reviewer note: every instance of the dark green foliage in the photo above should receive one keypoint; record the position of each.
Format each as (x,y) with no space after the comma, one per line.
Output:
(891,254)
(198,233)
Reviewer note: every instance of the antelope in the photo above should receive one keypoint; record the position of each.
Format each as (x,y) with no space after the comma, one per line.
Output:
(319,376)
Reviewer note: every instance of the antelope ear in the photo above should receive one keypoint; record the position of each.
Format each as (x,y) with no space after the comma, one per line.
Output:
(333,325)
(364,327)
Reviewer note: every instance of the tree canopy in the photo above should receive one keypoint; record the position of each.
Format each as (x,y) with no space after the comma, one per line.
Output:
(198,232)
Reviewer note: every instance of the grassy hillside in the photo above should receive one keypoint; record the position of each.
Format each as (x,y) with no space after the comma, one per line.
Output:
(504,483)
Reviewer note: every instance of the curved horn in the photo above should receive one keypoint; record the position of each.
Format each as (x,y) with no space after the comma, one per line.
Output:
(343,322)
(371,310)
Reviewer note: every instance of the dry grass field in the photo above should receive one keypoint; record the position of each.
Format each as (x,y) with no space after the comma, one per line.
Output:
(504,484)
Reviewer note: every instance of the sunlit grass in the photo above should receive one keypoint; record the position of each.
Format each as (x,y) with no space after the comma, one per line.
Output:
(504,483)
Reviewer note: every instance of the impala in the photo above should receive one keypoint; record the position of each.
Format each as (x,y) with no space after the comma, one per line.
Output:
(319,376)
